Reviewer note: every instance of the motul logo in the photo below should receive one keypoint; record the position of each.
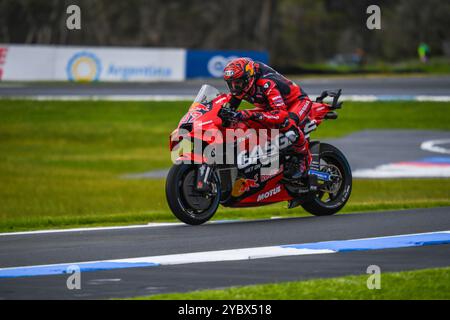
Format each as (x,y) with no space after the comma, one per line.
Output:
(268,194)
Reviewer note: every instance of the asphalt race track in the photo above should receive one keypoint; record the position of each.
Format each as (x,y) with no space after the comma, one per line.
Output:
(67,247)
(369,149)
(387,86)
(396,153)
(48,248)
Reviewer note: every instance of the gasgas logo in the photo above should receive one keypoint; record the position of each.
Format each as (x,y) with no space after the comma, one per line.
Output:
(269,193)
(264,153)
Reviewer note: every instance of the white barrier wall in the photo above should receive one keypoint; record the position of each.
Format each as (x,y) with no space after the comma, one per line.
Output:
(59,63)
(27,63)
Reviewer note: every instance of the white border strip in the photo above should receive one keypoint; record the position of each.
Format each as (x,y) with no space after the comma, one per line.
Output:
(432,146)
(324,247)
(139,226)
(358,98)
(102,97)
(150,225)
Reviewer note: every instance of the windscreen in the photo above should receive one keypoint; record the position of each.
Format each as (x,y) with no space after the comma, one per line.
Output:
(201,104)
(206,94)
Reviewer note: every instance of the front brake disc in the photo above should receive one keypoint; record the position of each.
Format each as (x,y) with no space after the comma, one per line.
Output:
(196,200)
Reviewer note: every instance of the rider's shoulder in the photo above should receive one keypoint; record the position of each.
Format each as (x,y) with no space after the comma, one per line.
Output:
(265,83)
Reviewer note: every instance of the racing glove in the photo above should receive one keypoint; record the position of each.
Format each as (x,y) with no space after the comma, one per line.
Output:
(229,114)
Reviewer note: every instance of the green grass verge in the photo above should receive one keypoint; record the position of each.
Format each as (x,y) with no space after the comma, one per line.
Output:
(436,66)
(60,162)
(151,206)
(406,285)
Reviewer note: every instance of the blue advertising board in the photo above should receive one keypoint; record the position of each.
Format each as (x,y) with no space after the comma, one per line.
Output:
(210,63)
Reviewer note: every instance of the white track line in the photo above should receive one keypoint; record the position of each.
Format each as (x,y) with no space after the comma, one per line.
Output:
(224,255)
(87,229)
(393,171)
(150,225)
(360,98)
(431,146)
(324,247)
(135,97)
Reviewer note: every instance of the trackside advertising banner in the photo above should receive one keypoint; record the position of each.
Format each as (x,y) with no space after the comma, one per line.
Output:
(210,63)
(119,64)
(58,63)
(26,62)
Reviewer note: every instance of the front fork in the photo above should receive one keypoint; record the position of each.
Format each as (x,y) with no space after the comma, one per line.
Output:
(203,181)
(314,167)
(314,172)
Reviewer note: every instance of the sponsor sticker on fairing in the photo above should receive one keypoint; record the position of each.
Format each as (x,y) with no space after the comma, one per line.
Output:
(271,174)
(304,109)
(269,193)
(243,185)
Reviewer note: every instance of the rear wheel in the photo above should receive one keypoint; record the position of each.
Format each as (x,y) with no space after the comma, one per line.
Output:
(332,196)
(187,204)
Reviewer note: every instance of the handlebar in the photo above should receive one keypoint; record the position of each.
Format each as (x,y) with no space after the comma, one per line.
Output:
(333,94)
(227,115)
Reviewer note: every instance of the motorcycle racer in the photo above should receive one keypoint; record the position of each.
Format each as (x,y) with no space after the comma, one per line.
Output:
(274,96)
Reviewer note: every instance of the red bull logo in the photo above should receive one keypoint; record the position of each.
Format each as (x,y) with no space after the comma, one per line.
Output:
(243,185)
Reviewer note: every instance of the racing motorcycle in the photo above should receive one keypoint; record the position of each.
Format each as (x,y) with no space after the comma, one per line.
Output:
(212,166)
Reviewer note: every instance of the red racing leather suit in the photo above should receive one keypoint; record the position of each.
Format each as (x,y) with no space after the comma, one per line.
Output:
(274,96)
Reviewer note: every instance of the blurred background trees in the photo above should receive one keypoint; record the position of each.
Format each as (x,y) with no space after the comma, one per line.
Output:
(293,31)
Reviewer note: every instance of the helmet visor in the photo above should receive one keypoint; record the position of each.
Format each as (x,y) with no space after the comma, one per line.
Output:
(237,86)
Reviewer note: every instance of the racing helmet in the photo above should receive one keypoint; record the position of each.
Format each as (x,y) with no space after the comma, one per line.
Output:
(239,74)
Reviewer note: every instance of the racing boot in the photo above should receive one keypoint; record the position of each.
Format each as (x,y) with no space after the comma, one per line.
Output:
(298,164)
(299,174)
(296,167)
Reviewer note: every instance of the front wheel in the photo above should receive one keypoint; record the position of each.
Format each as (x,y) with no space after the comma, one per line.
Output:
(332,196)
(187,204)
